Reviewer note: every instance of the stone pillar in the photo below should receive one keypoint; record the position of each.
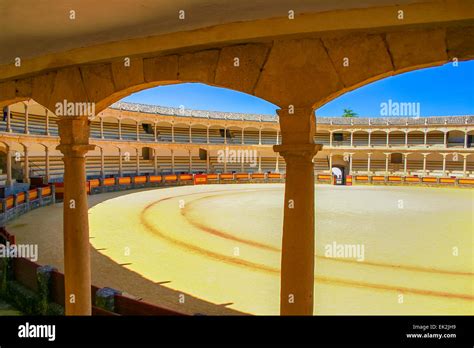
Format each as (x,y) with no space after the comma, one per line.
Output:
(405,163)
(445,139)
(424,163)
(425,138)
(190,134)
(155,134)
(260,136)
(101,128)
(465,140)
(26,172)
(120,163)
(9,181)
(46,130)
(369,155)
(277,170)
(46,165)
(352,138)
(207,134)
(172,132)
(74,144)
(330,163)
(102,163)
(120,128)
(350,163)
(277,138)
(137,159)
(190,161)
(243,135)
(138,130)
(444,163)
(330,138)
(172,161)
(368,141)
(387,156)
(225,135)
(388,139)
(259,162)
(155,159)
(9,116)
(207,161)
(464,165)
(406,138)
(27,119)
(298,244)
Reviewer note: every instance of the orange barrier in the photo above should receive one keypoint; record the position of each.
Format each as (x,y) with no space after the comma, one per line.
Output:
(349,180)
(274,176)
(46,191)
(20,198)
(139,179)
(242,176)
(395,178)
(94,183)
(171,177)
(258,176)
(109,182)
(227,176)
(362,178)
(33,194)
(378,178)
(125,180)
(324,177)
(447,180)
(200,179)
(212,176)
(185,177)
(412,179)
(155,178)
(9,202)
(466,181)
(429,179)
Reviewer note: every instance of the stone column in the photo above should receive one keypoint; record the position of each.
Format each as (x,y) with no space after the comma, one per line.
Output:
(277,170)
(445,139)
(137,157)
(424,162)
(406,138)
(27,119)
(138,130)
(101,128)
(277,138)
(9,181)
(46,130)
(155,159)
(405,163)
(368,141)
(172,132)
(102,163)
(74,144)
(9,116)
(190,161)
(190,134)
(330,138)
(352,138)
(120,163)
(260,136)
(120,128)
(464,164)
(330,163)
(465,139)
(172,161)
(425,138)
(388,139)
(298,244)
(207,134)
(26,172)
(225,135)
(46,165)
(350,163)
(259,162)
(243,135)
(207,161)
(444,163)
(387,156)
(369,155)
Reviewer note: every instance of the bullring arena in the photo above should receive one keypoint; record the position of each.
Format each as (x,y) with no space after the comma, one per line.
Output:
(188,249)
(141,209)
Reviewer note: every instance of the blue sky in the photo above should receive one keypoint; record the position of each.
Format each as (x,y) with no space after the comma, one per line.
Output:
(445,90)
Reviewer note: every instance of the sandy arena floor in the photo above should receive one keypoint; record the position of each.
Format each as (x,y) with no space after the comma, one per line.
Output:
(215,249)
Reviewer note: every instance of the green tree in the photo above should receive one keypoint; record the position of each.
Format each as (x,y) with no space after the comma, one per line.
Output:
(349,113)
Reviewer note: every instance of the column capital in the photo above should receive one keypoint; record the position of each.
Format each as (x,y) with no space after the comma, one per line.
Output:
(74,135)
(303,151)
